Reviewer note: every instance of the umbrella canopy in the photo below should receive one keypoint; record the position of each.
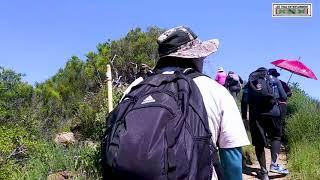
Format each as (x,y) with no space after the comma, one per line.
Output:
(296,67)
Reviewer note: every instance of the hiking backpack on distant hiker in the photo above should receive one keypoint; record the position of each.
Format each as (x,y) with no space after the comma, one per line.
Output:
(233,82)
(160,131)
(261,90)
(235,78)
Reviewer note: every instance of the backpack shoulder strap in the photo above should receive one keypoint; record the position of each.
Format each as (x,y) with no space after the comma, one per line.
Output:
(192,73)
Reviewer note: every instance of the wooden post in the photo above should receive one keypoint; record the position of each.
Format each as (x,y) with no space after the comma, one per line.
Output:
(109,84)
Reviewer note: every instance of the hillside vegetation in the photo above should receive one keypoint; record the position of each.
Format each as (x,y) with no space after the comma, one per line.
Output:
(303,126)
(75,100)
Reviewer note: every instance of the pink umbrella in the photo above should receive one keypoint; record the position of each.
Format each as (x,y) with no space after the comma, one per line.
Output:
(296,67)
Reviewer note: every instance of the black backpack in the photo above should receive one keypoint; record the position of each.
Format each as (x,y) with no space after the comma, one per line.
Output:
(160,131)
(233,79)
(233,82)
(260,90)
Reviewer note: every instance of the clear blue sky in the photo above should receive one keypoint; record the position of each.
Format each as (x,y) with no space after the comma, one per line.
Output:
(37,37)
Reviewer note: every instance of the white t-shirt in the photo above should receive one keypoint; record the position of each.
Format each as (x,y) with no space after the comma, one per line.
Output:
(224,117)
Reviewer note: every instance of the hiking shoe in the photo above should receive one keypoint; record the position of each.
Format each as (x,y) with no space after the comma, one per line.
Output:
(276,168)
(264,176)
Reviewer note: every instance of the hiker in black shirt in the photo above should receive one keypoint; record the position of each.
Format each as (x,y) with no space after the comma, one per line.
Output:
(264,119)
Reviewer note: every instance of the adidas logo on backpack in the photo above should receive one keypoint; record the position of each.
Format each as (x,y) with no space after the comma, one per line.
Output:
(148,99)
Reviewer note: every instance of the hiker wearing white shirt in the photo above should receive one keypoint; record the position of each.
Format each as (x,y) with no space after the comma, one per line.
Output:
(225,122)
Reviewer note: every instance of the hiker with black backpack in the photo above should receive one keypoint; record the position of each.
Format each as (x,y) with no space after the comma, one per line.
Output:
(233,84)
(264,90)
(172,124)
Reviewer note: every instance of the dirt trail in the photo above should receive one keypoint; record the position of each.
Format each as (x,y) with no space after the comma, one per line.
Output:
(250,173)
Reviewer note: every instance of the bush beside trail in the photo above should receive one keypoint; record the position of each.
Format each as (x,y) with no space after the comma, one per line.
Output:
(303,129)
(72,100)
(23,156)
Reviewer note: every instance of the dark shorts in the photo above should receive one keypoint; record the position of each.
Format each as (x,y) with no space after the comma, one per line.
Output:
(263,127)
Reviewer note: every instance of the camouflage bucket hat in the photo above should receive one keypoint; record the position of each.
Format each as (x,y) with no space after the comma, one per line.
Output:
(182,42)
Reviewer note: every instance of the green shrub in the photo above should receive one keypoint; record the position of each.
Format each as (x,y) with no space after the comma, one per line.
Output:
(303,127)
(81,160)
(38,158)
(304,160)
(16,147)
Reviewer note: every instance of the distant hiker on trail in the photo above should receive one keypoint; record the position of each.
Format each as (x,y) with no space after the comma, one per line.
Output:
(221,76)
(233,84)
(264,118)
(162,131)
(282,103)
